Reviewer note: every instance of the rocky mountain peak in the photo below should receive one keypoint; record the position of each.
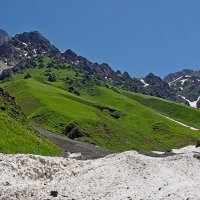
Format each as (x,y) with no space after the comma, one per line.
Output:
(186,84)
(26,45)
(173,76)
(70,55)
(32,37)
(101,70)
(4,37)
(154,80)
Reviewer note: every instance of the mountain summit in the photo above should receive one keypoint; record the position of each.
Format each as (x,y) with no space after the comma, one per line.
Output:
(26,45)
(4,37)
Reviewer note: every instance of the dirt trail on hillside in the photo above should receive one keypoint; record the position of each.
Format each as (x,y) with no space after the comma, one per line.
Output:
(85,151)
(75,149)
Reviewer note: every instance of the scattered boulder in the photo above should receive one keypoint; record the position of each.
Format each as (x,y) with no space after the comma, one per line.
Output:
(54,193)
(73,131)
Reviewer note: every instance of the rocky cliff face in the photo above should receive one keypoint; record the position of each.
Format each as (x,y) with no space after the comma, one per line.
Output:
(24,46)
(186,84)
(154,86)
(101,70)
(4,37)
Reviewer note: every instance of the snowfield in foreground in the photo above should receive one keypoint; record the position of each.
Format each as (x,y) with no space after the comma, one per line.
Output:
(127,175)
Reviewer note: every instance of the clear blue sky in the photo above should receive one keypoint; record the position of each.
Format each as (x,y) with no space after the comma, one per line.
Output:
(138,36)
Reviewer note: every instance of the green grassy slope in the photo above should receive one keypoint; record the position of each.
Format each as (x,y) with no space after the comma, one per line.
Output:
(180,112)
(51,106)
(16,136)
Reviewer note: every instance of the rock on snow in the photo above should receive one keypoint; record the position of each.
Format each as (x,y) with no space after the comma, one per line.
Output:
(127,175)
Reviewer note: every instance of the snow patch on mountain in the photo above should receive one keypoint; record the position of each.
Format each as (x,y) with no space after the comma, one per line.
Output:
(170,83)
(183,81)
(192,103)
(145,84)
(182,124)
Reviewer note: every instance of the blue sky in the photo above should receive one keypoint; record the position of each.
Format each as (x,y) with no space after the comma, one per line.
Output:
(138,36)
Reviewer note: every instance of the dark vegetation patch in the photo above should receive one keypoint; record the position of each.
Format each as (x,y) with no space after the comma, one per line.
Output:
(27,75)
(113,112)
(161,128)
(73,131)
(52,77)
(117,114)
(39,118)
(198,143)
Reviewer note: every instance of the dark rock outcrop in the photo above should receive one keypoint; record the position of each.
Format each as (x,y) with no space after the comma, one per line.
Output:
(6,74)
(186,84)
(173,76)
(198,104)
(73,131)
(54,193)
(4,37)
(100,70)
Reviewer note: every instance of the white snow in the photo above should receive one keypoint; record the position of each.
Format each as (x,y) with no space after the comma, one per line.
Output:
(182,124)
(18,49)
(187,149)
(170,83)
(188,76)
(158,152)
(24,44)
(145,84)
(127,175)
(183,81)
(192,103)
(35,51)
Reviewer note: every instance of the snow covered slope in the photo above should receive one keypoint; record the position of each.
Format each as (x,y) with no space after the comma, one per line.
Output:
(128,175)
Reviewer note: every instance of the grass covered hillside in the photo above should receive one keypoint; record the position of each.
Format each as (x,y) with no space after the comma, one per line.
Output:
(15,134)
(61,99)
(180,112)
